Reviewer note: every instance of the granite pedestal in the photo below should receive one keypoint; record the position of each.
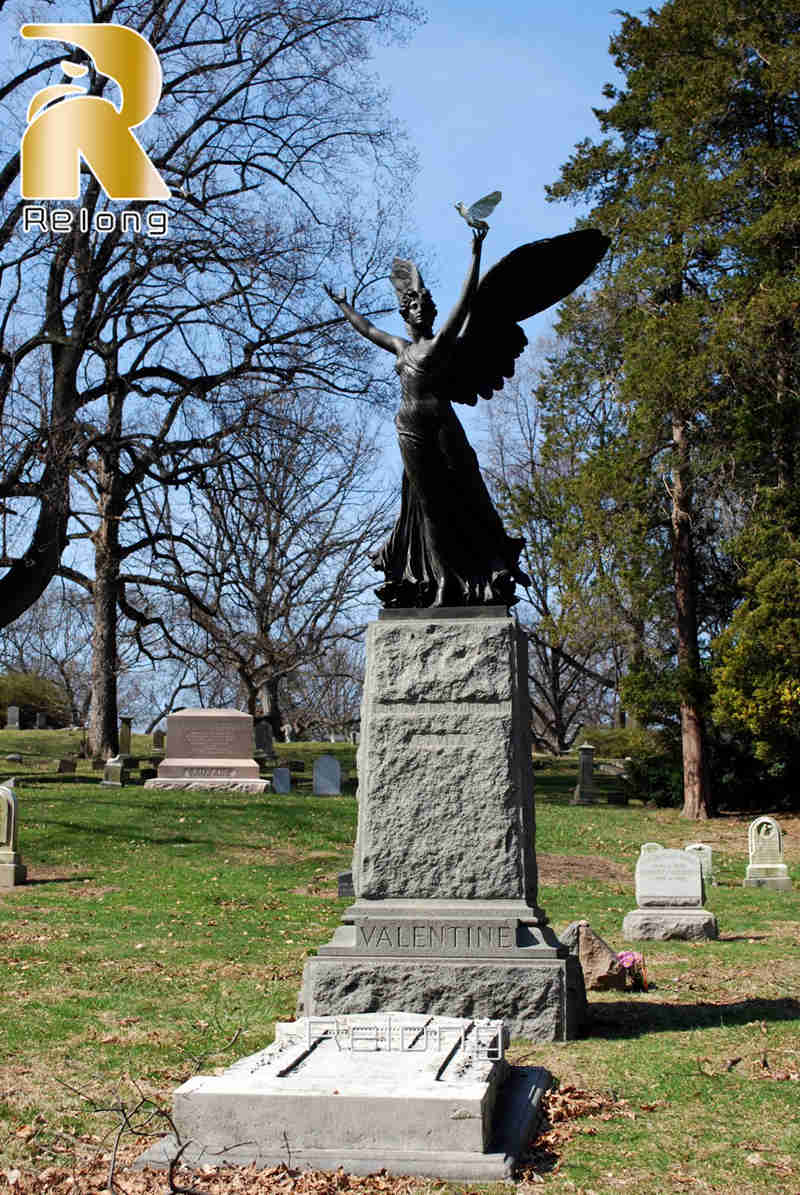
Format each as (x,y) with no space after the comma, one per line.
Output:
(444,869)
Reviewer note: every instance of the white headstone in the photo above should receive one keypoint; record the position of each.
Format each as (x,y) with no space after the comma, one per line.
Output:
(12,871)
(647,847)
(281,780)
(669,893)
(766,868)
(668,879)
(706,856)
(327,776)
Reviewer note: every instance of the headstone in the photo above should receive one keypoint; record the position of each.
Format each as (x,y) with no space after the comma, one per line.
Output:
(766,868)
(125,725)
(407,1093)
(648,847)
(66,767)
(209,749)
(13,720)
(115,772)
(12,870)
(601,971)
(14,757)
(41,721)
(281,780)
(445,919)
(669,893)
(327,776)
(345,884)
(98,764)
(706,856)
(262,733)
(584,790)
(158,740)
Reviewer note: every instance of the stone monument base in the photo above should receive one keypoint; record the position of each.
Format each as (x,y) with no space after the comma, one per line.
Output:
(233,785)
(411,1094)
(768,875)
(659,924)
(496,959)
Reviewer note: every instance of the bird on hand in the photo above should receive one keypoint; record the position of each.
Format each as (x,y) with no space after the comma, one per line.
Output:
(475,215)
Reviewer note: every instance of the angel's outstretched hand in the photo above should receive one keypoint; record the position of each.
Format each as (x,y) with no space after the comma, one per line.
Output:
(331,293)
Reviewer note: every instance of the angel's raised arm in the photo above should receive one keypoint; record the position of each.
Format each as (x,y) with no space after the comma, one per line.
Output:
(392,344)
(455,320)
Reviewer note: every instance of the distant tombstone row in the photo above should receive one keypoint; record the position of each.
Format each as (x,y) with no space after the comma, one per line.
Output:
(15,719)
(12,871)
(327,777)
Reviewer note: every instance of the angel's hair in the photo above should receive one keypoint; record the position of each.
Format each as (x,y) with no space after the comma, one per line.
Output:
(407,281)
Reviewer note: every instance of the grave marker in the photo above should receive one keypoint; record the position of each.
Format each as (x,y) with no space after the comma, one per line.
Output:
(706,856)
(669,893)
(12,870)
(209,749)
(13,720)
(327,776)
(584,790)
(281,780)
(766,868)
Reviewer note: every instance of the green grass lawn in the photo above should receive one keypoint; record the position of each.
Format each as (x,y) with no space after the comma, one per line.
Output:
(159,926)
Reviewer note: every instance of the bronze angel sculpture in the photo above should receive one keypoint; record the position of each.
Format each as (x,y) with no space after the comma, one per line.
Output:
(448,546)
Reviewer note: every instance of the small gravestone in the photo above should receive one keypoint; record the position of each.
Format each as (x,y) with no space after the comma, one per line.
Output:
(98,764)
(345,884)
(327,776)
(66,767)
(706,856)
(41,721)
(209,749)
(12,871)
(669,893)
(15,757)
(262,735)
(584,790)
(125,725)
(13,720)
(158,740)
(115,772)
(766,868)
(648,848)
(403,1092)
(281,780)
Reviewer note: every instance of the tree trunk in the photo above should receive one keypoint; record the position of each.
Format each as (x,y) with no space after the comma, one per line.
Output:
(104,721)
(695,788)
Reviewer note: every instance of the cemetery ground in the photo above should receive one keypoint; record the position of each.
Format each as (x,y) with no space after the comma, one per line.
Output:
(163,933)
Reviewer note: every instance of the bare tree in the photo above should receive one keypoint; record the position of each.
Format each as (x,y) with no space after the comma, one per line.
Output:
(270,557)
(267,127)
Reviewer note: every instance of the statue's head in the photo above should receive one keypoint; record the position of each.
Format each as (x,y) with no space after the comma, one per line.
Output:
(415,303)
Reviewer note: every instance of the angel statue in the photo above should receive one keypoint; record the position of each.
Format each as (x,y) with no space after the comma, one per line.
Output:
(448,546)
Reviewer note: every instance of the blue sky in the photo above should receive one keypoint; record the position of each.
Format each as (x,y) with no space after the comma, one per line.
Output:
(495,97)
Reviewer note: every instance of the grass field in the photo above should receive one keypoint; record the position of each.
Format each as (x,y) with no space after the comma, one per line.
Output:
(164,932)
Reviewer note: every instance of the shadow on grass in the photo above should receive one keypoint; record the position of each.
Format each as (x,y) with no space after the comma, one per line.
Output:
(629,1018)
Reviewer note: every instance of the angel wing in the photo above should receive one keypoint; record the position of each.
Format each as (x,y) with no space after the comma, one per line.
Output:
(524,282)
(482,208)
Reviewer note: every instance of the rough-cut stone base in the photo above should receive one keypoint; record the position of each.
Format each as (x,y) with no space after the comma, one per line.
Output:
(660,924)
(537,999)
(236,786)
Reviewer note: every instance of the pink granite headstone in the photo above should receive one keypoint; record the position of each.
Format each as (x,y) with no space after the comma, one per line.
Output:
(209,749)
